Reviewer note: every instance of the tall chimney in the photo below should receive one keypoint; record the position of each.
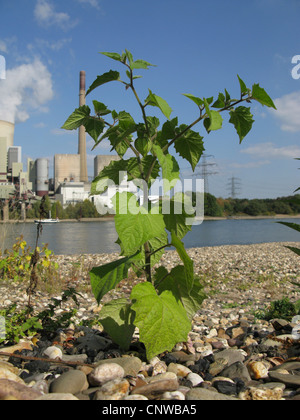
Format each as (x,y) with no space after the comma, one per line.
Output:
(82,134)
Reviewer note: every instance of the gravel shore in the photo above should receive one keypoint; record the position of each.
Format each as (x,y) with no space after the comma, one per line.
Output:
(236,277)
(231,353)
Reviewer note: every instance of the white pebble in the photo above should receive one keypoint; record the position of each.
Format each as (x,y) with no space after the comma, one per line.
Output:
(195,378)
(53,352)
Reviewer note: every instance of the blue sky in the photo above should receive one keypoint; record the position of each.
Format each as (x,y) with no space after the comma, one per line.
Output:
(198,46)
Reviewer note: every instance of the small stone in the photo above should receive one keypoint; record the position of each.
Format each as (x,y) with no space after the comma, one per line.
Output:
(258,370)
(57,397)
(174,396)
(179,369)
(202,394)
(182,357)
(213,333)
(6,373)
(163,376)
(217,367)
(225,387)
(16,391)
(261,394)
(156,388)
(105,373)
(131,365)
(237,370)
(231,355)
(194,378)
(159,367)
(116,390)
(53,352)
(136,397)
(70,382)
(291,381)
(22,345)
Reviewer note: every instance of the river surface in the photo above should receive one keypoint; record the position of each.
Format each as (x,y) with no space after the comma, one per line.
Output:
(99,237)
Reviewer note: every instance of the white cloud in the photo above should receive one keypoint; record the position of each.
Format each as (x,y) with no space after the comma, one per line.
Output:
(288,112)
(269,151)
(46,15)
(250,165)
(27,87)
(93,3)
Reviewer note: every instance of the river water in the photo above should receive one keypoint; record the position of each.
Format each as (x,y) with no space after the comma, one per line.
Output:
(99,237)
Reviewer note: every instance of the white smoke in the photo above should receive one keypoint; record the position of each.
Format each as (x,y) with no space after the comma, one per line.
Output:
(27,88)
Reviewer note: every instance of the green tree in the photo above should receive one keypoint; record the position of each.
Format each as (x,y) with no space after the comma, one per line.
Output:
(163,306)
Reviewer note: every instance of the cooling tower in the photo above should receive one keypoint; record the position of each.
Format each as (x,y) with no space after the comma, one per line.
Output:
(82,134)
(7,130)
(42,175)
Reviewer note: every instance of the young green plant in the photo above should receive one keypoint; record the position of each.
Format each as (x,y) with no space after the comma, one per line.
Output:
(163,306)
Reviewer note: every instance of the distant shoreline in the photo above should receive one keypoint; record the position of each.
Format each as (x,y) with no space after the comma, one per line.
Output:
(206,218)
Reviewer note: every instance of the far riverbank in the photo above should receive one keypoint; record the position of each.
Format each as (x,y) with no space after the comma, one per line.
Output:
(111,218)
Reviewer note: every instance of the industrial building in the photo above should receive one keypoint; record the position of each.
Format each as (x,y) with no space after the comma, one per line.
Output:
(70,184)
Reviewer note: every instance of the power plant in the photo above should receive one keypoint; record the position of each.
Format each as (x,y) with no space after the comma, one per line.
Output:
(70,183)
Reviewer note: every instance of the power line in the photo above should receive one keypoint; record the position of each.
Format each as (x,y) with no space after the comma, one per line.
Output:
(203,170)
(234,186)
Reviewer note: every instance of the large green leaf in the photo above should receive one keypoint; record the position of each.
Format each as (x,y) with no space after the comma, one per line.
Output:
(242,119)
(175,212)
(188,263)
(134,224)
(94,127)
(77,118)
(189,146)
(159,102)
(107,276)
(176,281)
(114,172)
(104,78)
(260,95)
(169,166)
(195,99)
(117,319)
(161,319)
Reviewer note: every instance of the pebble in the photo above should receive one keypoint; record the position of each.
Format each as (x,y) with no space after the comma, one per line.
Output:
(116,389)
(105,373)
(70,382)
(53,352)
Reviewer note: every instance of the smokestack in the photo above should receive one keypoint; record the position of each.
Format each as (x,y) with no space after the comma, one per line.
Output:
(82,134)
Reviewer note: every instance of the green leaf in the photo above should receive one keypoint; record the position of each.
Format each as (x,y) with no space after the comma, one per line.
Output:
(176,281)
(134,171)
(112,172)
(195,99)
(157,101)
(104,78)
(143,145)
(100,108)
(243,86)
(141,64)
(260,95)
(188,263)
(242,119)
(161,319)
(106,277)
(214,122)
(117,319)
(134,224)
(294,226)
(114,56)
(220,102)
(294,249)
(176,215)
(189,146)
(77,118)
(94,127)
(170,168)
